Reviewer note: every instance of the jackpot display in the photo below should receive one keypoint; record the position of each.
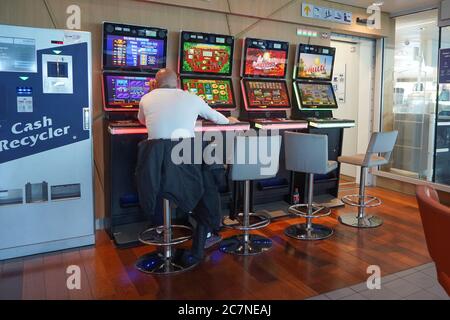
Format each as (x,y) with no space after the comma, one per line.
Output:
(218,93)
(265,58)
(314,63)
(125,91)
(134,48)
(266,94)
(316,95)
(206,54)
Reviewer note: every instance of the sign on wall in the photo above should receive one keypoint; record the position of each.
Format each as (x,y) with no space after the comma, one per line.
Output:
(340,82)
(444,66)
(327,14)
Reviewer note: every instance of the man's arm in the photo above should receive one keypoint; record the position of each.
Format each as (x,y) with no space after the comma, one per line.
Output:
(210,114)
(141,115)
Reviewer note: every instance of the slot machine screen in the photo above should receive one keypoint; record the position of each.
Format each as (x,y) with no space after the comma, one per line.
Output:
(315,63)
(218,93)
(202,53)
(124,92)
(316,95)
(134,48)
(265,58)
(265,95)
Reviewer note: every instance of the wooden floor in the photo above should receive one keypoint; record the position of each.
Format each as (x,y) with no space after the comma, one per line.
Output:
(291,270)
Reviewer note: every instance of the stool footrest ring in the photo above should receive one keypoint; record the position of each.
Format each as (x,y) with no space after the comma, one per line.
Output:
(257,221)
(155,236)
(368,201)
(302,211)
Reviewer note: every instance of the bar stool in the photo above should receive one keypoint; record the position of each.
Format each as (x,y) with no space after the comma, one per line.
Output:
(308,153)
(168,260)
(248,169)
(378,153)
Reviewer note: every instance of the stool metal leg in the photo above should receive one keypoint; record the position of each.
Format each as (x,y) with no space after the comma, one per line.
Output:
(309,230)
(361,220)
(246,244)
(170,260)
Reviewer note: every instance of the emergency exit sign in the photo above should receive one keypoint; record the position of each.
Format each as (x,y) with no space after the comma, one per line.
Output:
(326,14)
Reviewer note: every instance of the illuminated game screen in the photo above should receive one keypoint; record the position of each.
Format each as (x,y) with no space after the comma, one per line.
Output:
(134,48)
(218,93)
(265,58)
(316,95)
(266,94)
(315,63)
(125,92)
(206,54)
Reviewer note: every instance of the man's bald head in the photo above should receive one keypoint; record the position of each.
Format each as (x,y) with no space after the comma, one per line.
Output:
(166,78)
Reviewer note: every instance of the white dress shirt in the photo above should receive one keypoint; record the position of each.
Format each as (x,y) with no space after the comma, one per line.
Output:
(172,113)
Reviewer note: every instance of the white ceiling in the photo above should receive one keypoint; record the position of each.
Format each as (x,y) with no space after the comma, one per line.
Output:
(392,6)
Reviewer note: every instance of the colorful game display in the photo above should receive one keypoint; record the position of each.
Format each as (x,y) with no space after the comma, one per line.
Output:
(265,58)
(216,92)
(126,91)
(123,52)
(315,63)
(134,48)
(206,58)
(266,94)
(265,63)
(316,95)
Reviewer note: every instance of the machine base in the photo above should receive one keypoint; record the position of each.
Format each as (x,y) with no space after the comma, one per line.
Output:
(237,245)
(328,201)
(367,222)
(317,232)
(156,263)
(126,236)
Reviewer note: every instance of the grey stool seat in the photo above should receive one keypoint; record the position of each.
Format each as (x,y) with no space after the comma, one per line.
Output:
(378,153)
(308,153)
(358,160)
(168,260)
(254,158)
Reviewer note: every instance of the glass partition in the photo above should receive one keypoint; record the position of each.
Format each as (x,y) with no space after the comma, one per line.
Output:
(410,94)
(442,168)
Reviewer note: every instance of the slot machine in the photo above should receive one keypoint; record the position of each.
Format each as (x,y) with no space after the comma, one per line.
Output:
(131,57)
(205,66)
(266,102)
(314,102)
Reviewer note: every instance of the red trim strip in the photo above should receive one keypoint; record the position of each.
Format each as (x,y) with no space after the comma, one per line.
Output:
(143,130)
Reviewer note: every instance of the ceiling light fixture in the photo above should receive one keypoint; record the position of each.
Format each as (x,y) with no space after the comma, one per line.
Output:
(378,4)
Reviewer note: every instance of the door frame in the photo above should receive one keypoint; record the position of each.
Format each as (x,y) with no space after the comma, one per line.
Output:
(363,133)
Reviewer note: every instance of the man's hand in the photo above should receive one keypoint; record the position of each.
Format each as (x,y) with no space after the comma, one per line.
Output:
(233,120)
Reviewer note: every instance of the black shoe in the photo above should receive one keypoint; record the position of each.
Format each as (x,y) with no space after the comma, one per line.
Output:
(212,241)
(188,259)
(199,241)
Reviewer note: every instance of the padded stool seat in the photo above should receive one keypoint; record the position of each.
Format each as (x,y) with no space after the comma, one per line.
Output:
(358,160)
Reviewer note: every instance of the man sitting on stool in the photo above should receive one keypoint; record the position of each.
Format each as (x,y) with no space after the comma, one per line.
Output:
(171,113)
